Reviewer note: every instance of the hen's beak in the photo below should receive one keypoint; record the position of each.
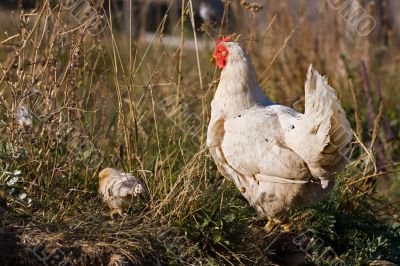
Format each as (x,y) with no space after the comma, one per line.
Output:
(213,60)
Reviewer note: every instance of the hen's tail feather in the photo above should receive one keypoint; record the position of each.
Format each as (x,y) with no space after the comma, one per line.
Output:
(323,108)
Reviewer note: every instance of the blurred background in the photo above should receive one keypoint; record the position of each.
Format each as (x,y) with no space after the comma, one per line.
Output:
(145,16)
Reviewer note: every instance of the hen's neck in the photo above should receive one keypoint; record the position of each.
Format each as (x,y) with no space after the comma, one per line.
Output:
(237,90)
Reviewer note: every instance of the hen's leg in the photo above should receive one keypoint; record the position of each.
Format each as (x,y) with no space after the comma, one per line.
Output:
(274,223)
(285,227)
(270,225)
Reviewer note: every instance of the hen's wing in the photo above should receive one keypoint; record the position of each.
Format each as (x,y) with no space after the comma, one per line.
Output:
(250,150)
(215,135)
(253,145)
(322,136)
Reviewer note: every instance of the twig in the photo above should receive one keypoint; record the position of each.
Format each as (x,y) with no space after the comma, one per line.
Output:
(356,110)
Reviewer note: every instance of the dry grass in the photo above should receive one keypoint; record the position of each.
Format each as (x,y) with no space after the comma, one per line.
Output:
(105,100)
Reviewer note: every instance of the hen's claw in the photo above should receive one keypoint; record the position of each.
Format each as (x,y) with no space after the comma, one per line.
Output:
(270,225)
(285,228)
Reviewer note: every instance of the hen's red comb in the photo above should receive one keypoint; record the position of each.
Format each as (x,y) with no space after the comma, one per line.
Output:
(223,39)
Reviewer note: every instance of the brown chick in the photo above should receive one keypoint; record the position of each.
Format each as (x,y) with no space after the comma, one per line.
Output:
(118,189)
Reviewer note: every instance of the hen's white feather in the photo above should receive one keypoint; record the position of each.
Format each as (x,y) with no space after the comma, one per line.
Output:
(322,135)
(277,157)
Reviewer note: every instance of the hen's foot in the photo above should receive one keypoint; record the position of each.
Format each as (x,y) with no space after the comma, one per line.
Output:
(276,224)
(271,224)
(285,228)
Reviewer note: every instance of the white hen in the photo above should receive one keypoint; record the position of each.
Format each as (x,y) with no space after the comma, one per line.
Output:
(278,158)
(118,189)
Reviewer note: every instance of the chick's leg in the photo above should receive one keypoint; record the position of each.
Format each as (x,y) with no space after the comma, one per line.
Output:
(112,213)
(121,213)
